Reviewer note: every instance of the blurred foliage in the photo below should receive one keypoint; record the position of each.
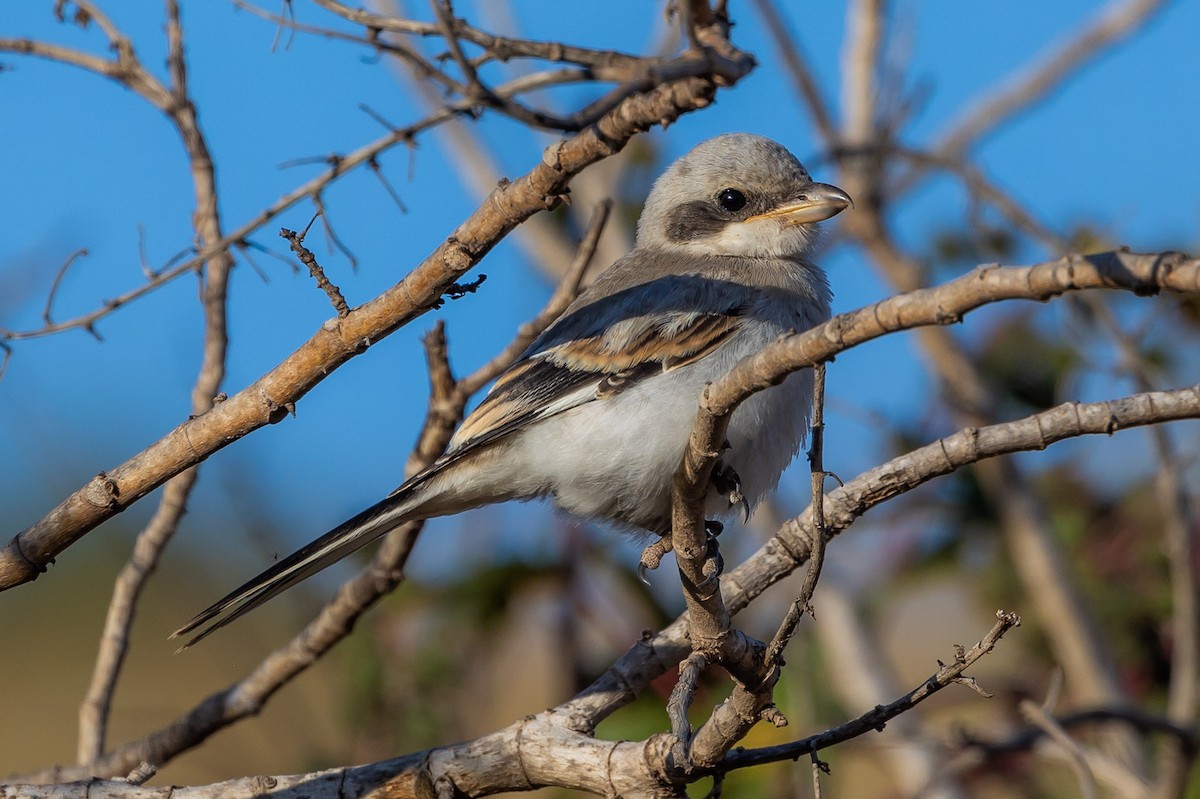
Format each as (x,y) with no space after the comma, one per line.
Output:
(954,250)
(1025,368)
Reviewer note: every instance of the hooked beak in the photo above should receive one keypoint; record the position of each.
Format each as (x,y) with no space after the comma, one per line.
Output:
(818,202)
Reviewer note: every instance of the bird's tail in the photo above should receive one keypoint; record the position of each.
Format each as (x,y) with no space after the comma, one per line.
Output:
(339,542)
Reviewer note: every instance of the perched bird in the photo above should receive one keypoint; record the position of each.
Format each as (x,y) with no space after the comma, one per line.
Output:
(597,412)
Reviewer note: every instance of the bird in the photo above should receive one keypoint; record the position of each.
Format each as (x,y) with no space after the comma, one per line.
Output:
(597,412)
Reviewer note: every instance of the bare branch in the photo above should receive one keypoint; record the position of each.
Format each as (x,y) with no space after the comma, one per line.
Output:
(802,603)
(788,549)
(1136,719)
(411,57)
(64,55)
(857,672)
(87,13)
(939,306)
(448,399)
(860,69)
(682,84)
(774,561)
(500,47)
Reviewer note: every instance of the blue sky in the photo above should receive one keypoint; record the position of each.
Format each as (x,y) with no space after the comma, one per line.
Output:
(84,163)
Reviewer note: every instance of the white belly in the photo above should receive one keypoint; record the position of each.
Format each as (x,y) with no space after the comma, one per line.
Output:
(645,430)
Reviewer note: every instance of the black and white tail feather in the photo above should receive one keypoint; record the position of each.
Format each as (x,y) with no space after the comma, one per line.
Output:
(338,543)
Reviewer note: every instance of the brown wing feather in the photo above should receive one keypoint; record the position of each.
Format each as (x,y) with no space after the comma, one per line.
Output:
(589,368)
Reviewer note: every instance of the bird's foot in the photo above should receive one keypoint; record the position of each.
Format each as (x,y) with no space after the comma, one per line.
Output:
(652,556)
(729,485)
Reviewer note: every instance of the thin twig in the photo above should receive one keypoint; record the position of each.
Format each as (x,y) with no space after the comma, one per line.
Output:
(90,13)
(306,257)
(819,767)
(415,61)
(877,717)
(387,185)
(334,241)
(62,271)
(803,602)
(1038,717)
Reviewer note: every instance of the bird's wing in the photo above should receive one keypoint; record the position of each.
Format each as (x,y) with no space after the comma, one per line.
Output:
(602,348)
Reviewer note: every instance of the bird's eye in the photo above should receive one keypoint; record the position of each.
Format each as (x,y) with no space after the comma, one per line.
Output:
(731,200)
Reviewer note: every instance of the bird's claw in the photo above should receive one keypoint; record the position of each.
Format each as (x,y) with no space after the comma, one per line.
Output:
(652,556)
(729,484)
(714,564)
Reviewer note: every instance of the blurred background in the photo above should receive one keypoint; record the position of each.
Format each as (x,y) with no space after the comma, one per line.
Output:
(511,609)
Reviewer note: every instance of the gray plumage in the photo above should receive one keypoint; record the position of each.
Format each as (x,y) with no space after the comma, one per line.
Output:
(597,412)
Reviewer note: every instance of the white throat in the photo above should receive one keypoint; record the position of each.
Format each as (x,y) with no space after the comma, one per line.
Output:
(759,238)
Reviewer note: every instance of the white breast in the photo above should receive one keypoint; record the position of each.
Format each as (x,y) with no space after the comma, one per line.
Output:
(615,458)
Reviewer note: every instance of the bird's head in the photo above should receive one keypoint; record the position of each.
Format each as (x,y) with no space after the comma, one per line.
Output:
(739,195)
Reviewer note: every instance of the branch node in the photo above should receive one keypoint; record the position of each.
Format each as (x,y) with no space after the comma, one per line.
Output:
(973,684)
(102,491)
